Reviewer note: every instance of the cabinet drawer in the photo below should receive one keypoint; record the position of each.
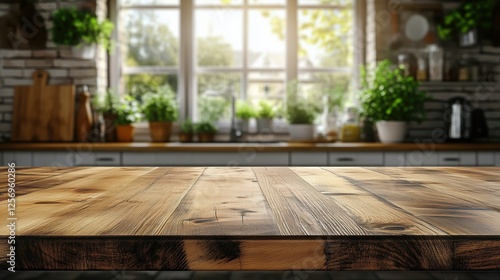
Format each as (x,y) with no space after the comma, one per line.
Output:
(56,159)
(421,158)
(486,158)
(308,158)
(108,159)
(139,159)
(394,159)
(244,158)
(19,158)
(457,159)
(356,159)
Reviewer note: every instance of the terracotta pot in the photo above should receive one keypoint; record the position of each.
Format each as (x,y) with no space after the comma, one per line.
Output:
(125,133)
(206,137)
(160,131)
(185,137)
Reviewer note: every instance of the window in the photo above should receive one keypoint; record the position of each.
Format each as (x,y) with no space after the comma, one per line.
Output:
(250,47)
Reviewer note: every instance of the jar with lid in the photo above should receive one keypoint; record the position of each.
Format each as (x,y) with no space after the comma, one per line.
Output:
(407,62)
(350,129)
(422,72)
(436,61)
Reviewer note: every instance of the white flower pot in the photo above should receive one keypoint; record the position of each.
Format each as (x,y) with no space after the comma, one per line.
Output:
(84,51)
(264,125)
(391,131)
(299,132)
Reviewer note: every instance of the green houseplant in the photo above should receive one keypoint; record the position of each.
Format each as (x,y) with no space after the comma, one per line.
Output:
(244,112)
(187,131)
(127,113)
(81,30)
(160,109)
(466,21)
(300,114)
(391,100)
(206,131)
(265,115)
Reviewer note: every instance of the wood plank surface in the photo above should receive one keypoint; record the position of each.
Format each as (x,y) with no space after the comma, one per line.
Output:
(242,218)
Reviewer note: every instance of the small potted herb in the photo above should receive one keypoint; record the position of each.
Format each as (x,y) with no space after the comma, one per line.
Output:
(300,114)
(391,100)
(206,131)
(127,113)
(265,115)
(81,30)
(187,131)
(160,109)
(244,112)
(471,18)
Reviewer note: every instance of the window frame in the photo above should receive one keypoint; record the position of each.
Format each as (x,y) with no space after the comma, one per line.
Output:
(187,69)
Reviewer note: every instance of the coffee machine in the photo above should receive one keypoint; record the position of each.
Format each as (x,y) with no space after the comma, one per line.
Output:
(462,122)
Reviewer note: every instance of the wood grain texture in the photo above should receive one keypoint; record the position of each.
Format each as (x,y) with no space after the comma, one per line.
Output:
(252,147)
(43,113)
(216,218)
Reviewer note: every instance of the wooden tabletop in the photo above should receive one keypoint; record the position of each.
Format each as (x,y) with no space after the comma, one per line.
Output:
(279,218)
(260,147)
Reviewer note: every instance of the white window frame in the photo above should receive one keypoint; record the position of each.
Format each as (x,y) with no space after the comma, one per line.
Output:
(187,69)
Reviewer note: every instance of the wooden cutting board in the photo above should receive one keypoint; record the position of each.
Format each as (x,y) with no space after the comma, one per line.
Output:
(43,113)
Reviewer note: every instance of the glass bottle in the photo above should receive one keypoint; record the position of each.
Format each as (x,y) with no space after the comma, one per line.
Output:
(350,130)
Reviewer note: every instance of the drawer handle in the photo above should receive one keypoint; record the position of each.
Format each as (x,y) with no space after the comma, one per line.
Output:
(108,159)
(345,159)
(451,159)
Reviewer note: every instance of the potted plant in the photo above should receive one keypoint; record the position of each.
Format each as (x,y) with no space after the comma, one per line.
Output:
(265,115)
(127,113)
(206,131)
(300,113)
(187,131)
(471,18)
(244,112)
(391,100)
(160,109)
(106,104)
(81,30)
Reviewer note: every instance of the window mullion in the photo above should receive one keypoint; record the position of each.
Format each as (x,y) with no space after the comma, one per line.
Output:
(245,50)
(291,40)
(186,90)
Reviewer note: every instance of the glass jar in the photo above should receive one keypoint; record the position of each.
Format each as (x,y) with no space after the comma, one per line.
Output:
(436,61)
(350,129)
(422,72)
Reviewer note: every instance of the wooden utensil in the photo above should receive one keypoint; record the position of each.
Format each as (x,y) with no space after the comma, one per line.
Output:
(43,113)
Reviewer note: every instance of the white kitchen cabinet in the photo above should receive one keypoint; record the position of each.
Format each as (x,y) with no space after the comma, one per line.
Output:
(356,158)
(457,159)
(97,158)
(486,158)
(250,158)
(308,158)
(497,159)
(394,159)
(56,159)
(19,158)
(422,158)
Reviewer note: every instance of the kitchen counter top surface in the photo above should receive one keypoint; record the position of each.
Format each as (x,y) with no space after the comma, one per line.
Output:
(255,146)
(255,218)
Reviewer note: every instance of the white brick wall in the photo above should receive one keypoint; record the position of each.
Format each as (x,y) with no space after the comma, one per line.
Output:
(17,66)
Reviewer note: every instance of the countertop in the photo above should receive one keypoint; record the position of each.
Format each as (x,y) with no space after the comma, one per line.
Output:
(228,147)
(255,218)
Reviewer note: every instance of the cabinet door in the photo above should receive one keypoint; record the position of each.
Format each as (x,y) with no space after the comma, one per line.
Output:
(56,159)
(457,158)
(97,158)
(486,158)
(139,159)
(308,158)
(19,158)
(497,159)
(356,159)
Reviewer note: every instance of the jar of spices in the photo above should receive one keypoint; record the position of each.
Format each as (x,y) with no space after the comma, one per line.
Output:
(436,59)
(463,70)
(407,62)
(422,72)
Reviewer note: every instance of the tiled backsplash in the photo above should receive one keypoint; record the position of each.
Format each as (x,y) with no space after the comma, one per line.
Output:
(17,66)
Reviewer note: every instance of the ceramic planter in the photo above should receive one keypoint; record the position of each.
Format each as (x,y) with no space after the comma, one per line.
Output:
(185,137)
(244,126)
(391,131)
(206,137)
(264,125)
(160,131)
(468,39)
(84,51)
(299,132)
(125,133)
